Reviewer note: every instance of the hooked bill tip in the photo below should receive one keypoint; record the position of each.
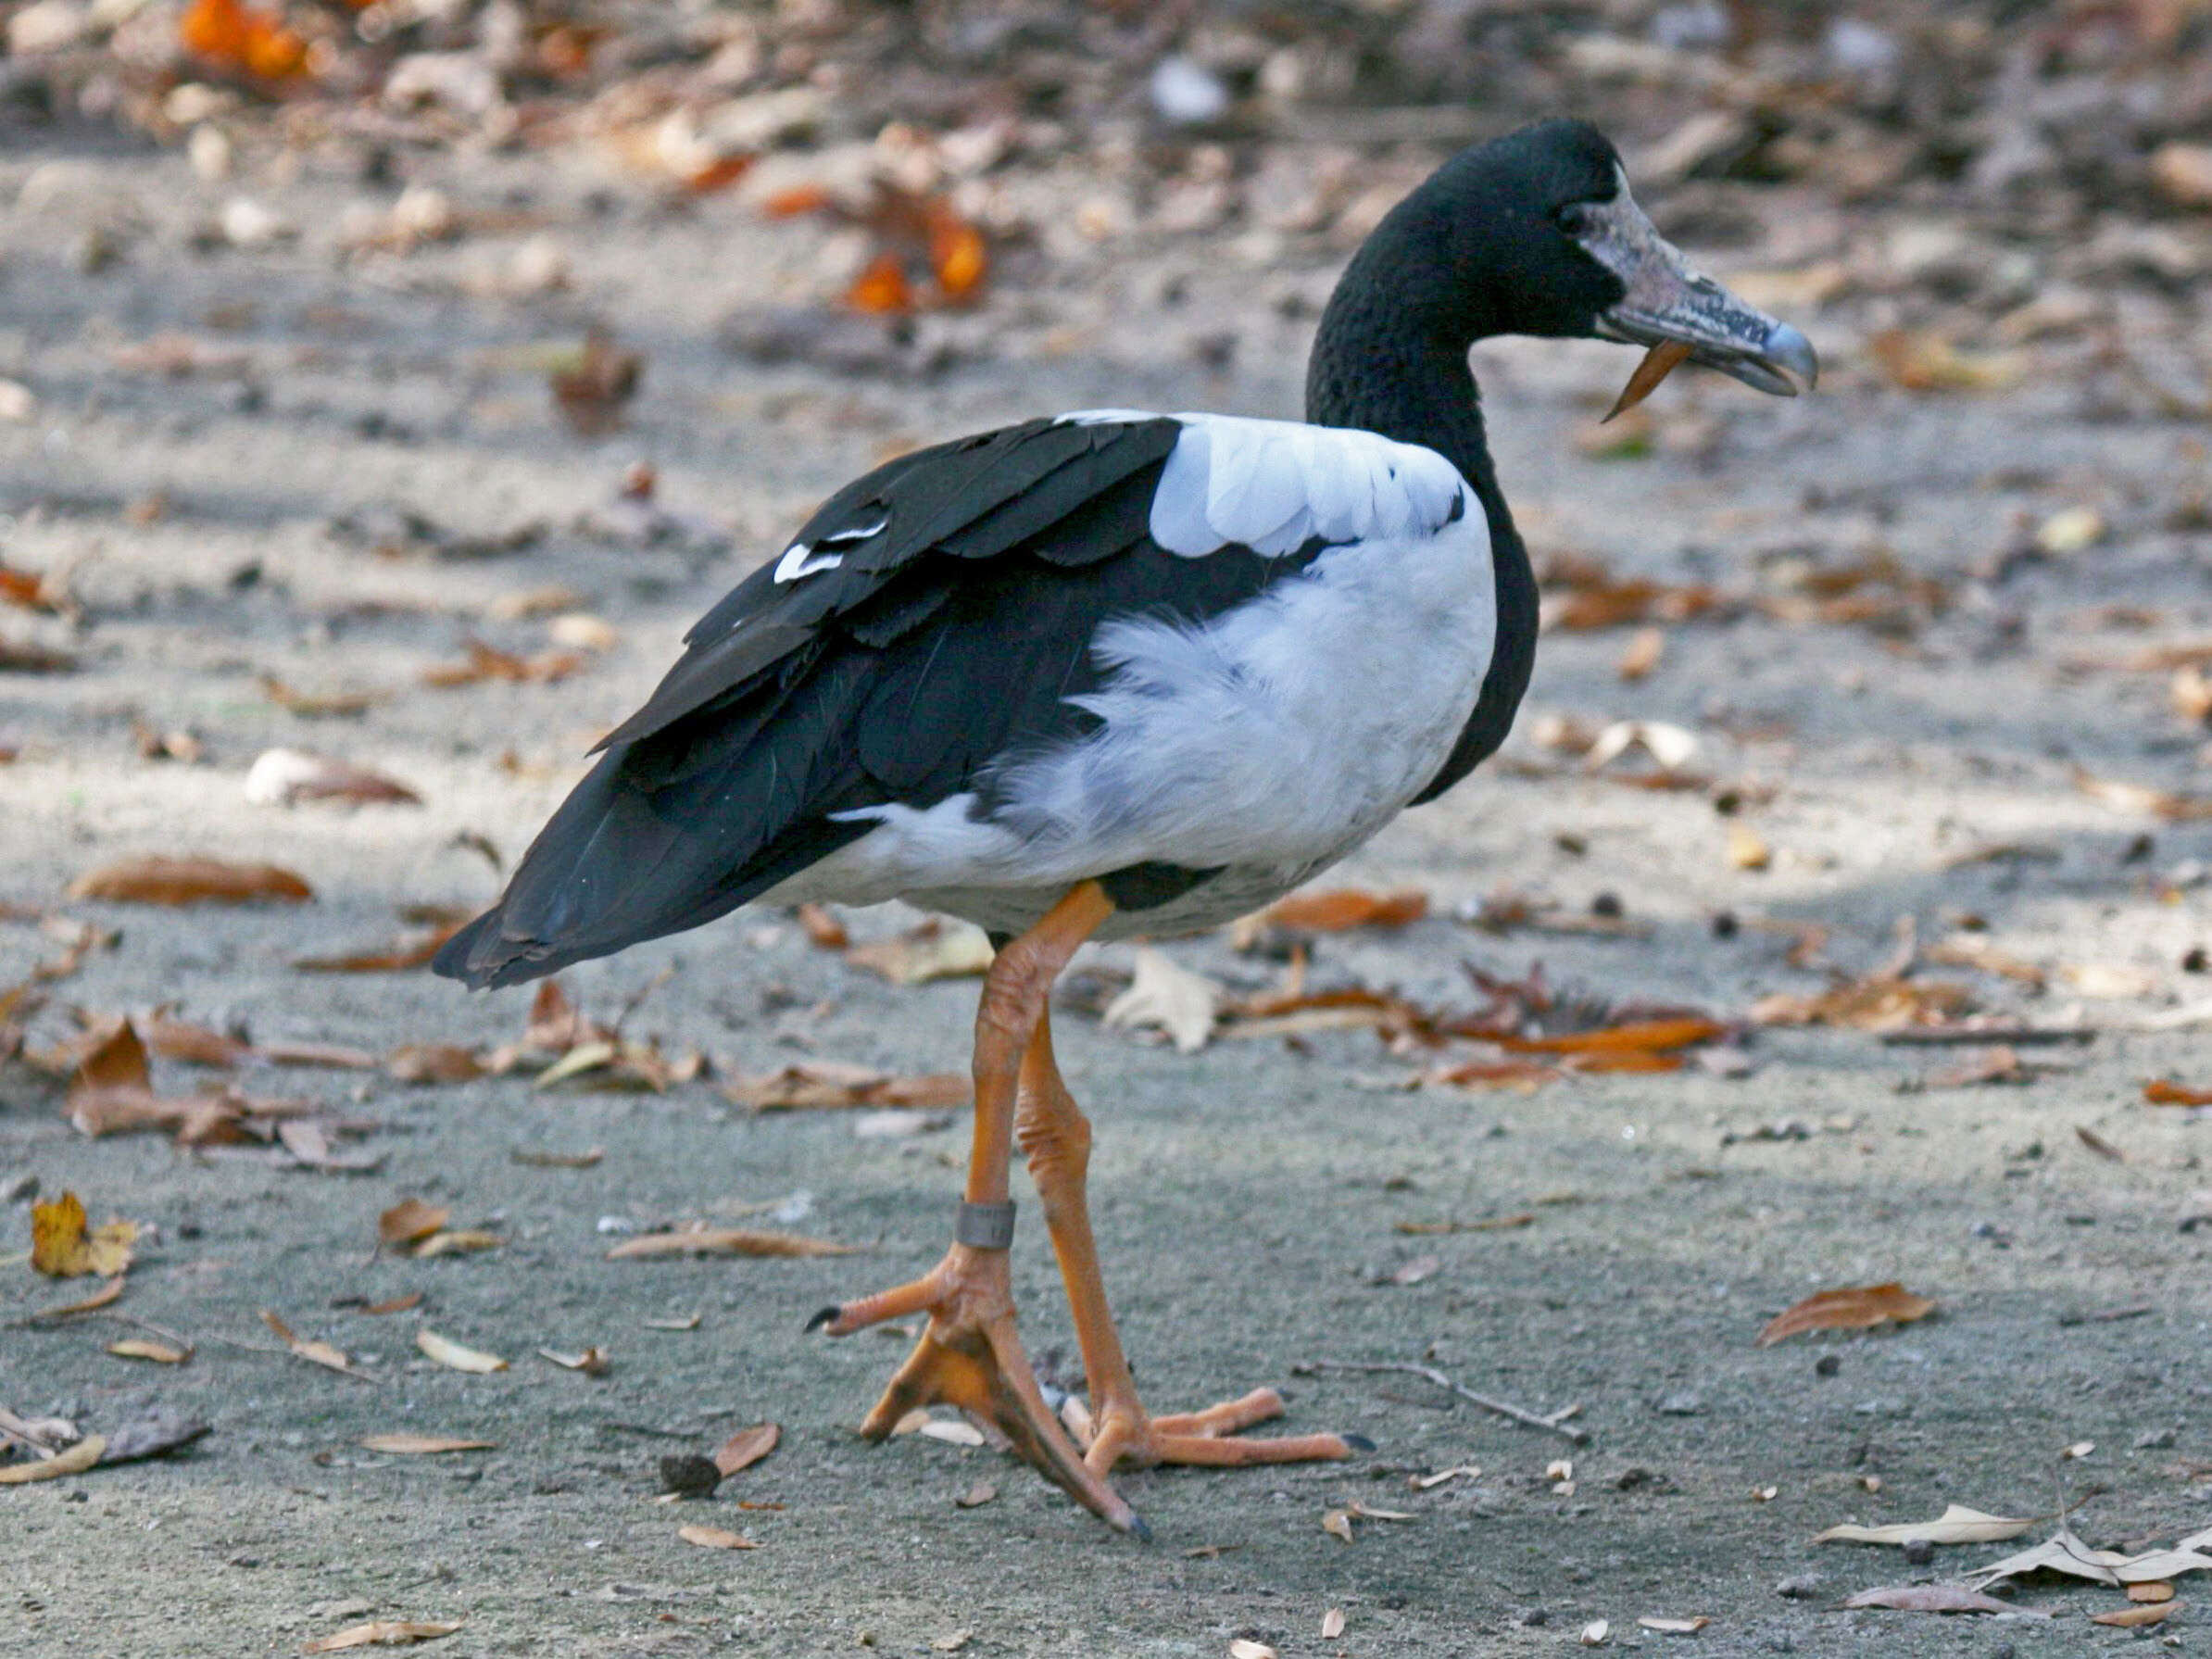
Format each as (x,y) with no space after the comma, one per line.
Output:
(1788,348)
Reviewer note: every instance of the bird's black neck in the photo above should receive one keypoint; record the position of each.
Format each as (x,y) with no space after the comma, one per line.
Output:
(1379,372)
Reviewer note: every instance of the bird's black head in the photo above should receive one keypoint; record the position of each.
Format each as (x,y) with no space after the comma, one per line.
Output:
(1537,233)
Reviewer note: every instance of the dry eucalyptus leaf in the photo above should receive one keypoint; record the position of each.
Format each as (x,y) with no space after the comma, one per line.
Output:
(536,1159)
(953,1431)
(410,1221)
(455,1241)
(315,1354)
(380,1633)
(935,950)
(1936,1598)
(703,1241)
(143,1348)
(423,1445)
(1332,1624)
(1244,1648)
(109,1290)
(447,1352)
(976,1496)
(715,1538)
(2149,1612)
(75,1461)
(592,1361)
(822,1085)
(282,777)
(746,1448)
(1659,362)
(1851,1308)
(1956,1524)
(1337,1523)
(190,881)
(1596,1633)
(1675,1626)
(433,1062)
(2063,1552)
(1169,998)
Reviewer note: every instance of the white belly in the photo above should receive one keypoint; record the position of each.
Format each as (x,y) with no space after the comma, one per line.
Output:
(1269,743)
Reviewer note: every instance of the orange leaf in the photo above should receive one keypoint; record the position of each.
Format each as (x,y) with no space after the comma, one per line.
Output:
(1343,908)
(719,174)
(797,199)
(746,1448)
(409,1221)
(1637,1035)
(2164,1092)
(158,880)
(882,288)
(1851,1308)
(955,249)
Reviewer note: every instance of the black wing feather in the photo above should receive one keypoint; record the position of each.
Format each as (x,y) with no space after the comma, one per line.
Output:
(943,647)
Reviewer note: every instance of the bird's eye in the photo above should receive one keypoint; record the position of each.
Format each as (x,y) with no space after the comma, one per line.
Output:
(1573,218)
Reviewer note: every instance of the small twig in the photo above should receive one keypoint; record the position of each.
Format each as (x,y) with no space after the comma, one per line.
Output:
(1575,1437)
(1945,1036)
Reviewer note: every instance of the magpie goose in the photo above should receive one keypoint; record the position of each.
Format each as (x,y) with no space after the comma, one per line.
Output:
(1115,673)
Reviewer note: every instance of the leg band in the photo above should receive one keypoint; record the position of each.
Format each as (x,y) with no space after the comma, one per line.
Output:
(984,1226)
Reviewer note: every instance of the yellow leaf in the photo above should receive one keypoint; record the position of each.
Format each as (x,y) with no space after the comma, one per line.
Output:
(63,1247)
(423,1445)
(75,1461)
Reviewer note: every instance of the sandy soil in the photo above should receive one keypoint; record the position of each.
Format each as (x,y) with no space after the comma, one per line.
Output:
(1247,1196)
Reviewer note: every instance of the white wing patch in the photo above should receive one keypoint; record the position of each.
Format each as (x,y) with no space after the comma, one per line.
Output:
(1274,486)
(799,559)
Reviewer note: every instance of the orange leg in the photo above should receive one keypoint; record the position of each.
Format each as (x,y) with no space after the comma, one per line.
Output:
(1056,1137)
(970,1356)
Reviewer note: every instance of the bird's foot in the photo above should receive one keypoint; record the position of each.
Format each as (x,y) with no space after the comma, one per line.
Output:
(971,1357)
(1122,1431)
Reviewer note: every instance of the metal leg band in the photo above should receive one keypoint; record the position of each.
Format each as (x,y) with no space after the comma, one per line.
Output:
(984,1226)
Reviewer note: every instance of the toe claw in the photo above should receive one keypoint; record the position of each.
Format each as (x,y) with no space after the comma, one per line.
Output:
(827,1316)
(1138,1529)
(1358,1443)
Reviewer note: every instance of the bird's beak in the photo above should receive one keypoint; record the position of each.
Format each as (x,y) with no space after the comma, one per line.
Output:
(1685,315)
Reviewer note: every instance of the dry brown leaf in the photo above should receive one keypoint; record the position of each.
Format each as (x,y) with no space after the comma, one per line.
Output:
(1675,1626)
(409,1222)
(1956,1524)
(1243,1647)
(456,1242)
(2129,1618)
(1337,1523)
(392,1304)
(700,1239)
(536,1159)
(1596,1633)
(75,1461)
(145,1348)
(308,704)
(1876,1003)
(314,1352)
(109,1291)
(1167,996)
(714,1538)
(2152,1591)
(1935,1598)
(483,663)
(590,391)
(822,928)
(383,1632)
(394,959)
(433,1062)
(64,1248)
(1642,655)
(2142,800)
(817,1085)
(194,1045)
(2164,1091)
(592,1361)
(405,1444)
(155,880)
(282,777)
(1922,361)
(746,1448)
(1339,910)
(449,1353)
(1659,362)
(2063,1552)
(953,1431)
(976,1496)
(1850,1308)
(1630,1038)
(936,949)
(2098,1144)
(1332,1624)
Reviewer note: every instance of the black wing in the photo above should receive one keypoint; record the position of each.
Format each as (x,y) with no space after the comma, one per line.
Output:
(972,578)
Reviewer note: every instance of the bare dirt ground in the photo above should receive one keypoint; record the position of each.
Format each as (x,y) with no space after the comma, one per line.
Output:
(1248,1196)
